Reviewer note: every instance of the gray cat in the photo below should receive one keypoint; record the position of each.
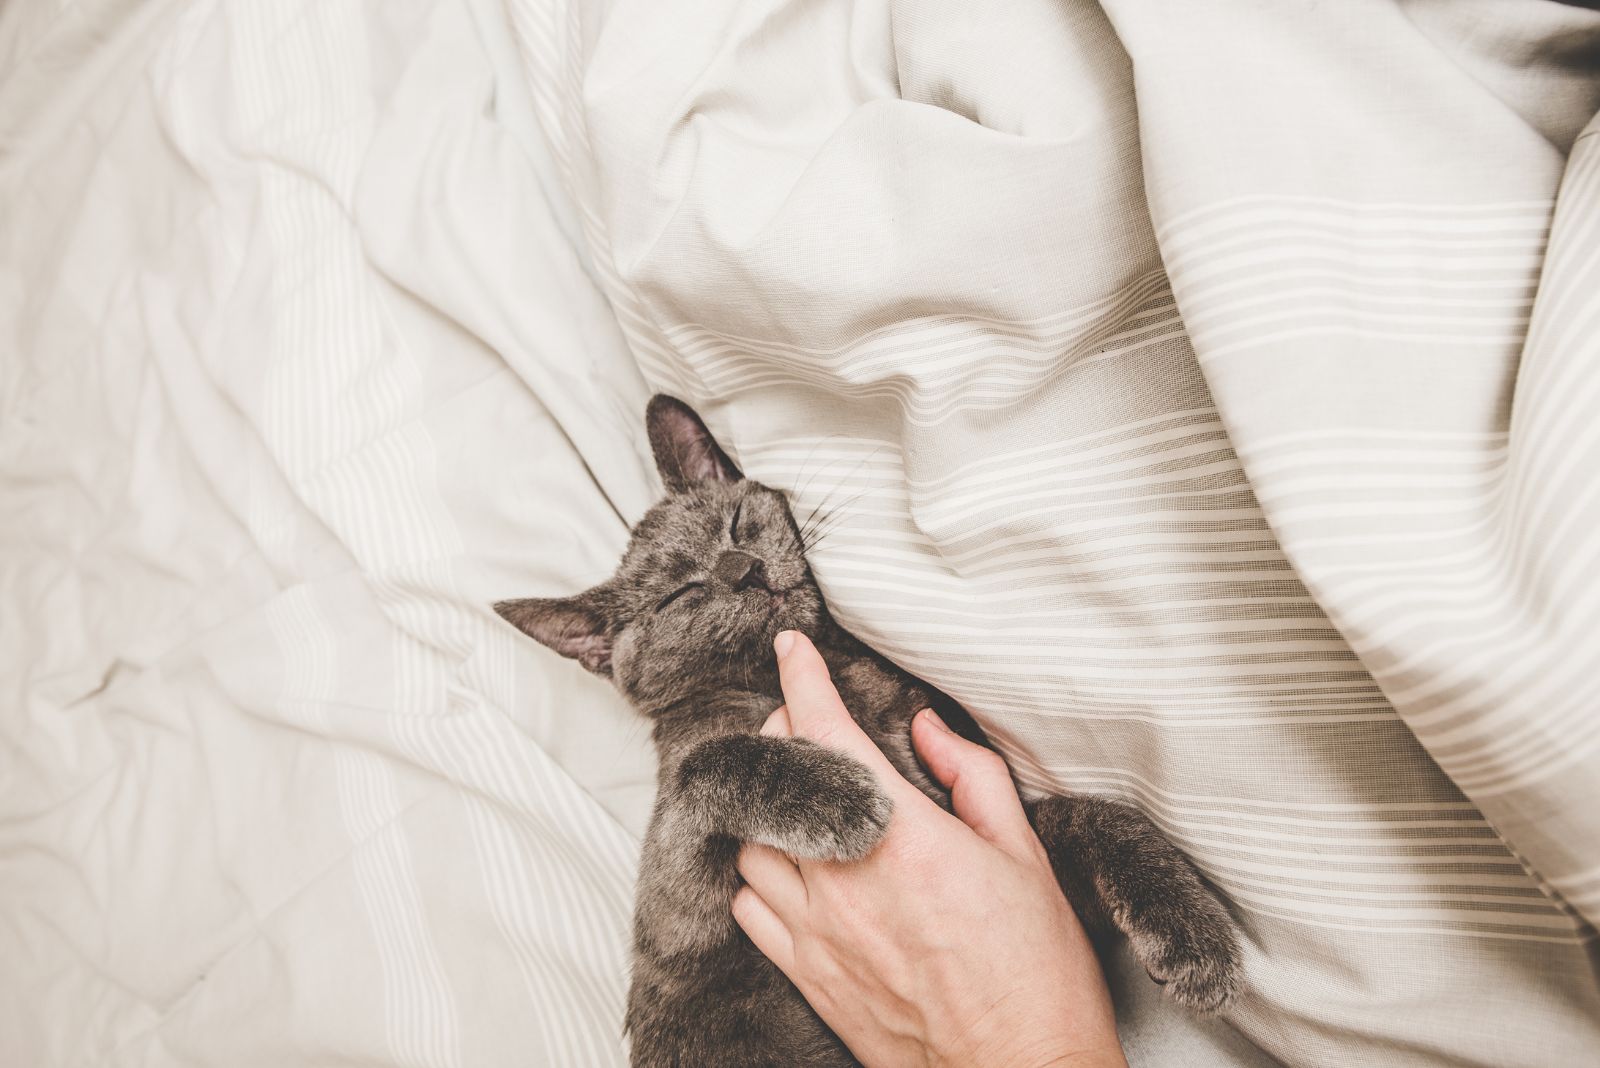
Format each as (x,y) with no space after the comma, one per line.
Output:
(684,629)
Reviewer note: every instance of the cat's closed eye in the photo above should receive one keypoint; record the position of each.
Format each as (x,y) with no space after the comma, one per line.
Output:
(733,526)
(688,587)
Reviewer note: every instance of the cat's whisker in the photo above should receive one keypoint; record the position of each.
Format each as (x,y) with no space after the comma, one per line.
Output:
(850,475)
(822,502)
(832,521)
(810,454)
(842,482)
(806,523)
(814,522)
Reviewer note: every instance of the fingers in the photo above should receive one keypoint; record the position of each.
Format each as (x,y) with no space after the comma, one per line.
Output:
(981,790)
(814,708)
(764,927)
(777,724)
(774,876)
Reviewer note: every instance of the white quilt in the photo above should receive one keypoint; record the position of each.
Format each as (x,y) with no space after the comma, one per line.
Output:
(301,370)
(1210,409)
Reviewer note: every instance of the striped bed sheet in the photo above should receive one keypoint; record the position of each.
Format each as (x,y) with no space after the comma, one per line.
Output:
(1210,411)
(1204,396)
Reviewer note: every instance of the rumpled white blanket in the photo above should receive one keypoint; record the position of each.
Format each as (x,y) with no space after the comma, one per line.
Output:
(1201,392)
(1207,395)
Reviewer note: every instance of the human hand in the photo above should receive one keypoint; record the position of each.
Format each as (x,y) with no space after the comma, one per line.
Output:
(951,943)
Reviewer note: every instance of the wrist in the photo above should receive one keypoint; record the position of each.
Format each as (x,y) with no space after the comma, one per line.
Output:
(1110,1057)
(1107,1057)
(1059,1051)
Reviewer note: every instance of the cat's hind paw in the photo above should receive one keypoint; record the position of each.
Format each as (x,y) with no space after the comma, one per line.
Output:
(1190,946)
(1121,871)
(1205,981)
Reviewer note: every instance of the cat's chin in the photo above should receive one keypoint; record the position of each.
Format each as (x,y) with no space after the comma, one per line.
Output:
(795,609)
(759,618)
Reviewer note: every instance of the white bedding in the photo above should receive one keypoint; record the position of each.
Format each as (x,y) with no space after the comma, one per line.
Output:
(301,371)
(325,324)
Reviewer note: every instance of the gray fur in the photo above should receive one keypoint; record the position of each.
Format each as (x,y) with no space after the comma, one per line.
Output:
(684,629)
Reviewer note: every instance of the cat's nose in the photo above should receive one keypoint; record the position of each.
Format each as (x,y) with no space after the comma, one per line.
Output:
(740,570)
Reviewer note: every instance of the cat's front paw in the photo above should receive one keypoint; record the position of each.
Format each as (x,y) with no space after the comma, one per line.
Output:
(831,807)
(1188,944)
(791,794)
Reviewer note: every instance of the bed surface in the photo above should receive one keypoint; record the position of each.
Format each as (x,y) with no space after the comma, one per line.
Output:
(1248,487)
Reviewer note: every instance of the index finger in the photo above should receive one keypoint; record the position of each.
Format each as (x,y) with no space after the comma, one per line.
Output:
(815,710)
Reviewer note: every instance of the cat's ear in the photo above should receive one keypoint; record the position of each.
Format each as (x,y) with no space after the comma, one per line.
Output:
(686,452)
(575,627)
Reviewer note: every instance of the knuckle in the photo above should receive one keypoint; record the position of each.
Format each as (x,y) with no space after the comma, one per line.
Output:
(986,757)
(989,762)
(827,733)
(839,901)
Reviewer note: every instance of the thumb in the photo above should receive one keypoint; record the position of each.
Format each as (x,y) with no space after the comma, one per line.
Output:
(981,790)
(815,710)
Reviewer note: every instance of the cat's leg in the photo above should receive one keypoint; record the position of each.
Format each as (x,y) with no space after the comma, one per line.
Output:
(701,994)
(788,793)
(1119,870)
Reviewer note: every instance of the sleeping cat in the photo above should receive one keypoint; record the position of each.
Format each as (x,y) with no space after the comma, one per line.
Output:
(684,629)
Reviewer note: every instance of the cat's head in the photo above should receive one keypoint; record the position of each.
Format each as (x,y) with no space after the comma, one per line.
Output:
(711,574)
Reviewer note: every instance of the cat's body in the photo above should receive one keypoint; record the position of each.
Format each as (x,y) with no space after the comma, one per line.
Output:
(685,629)
(701,993)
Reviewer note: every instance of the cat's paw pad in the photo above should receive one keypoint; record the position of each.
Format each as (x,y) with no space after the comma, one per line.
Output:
(1192,951)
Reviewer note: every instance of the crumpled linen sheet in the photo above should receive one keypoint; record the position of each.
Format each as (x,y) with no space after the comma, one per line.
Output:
(1208,410)
(301,370)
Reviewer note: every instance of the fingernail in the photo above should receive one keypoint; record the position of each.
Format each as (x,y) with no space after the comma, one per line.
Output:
(783,642)
(933,717)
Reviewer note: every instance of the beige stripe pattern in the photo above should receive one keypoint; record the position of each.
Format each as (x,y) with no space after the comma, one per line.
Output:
(1201,392)
(1287,550)
(548,869)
